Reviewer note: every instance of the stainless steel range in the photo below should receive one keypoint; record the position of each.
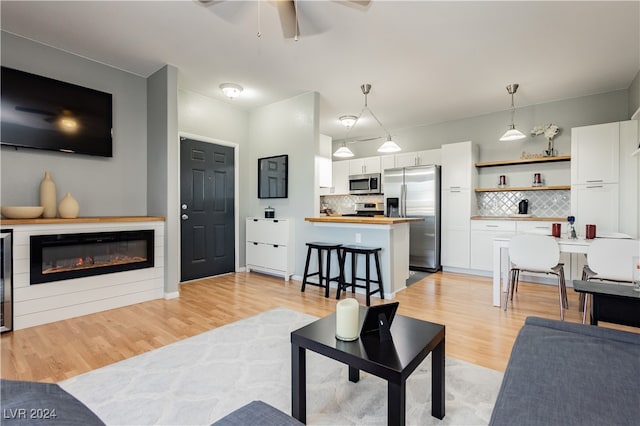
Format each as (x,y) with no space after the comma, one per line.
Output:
(368,210)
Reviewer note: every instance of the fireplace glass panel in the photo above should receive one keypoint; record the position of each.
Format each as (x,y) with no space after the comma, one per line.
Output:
(95,255)
(66,256)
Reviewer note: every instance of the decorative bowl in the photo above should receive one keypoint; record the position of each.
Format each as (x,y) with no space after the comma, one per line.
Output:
(21,212)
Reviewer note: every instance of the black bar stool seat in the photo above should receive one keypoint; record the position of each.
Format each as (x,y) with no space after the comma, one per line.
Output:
(323,280)
(367,252)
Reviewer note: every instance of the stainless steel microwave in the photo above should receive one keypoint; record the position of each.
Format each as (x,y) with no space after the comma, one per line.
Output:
(365,184)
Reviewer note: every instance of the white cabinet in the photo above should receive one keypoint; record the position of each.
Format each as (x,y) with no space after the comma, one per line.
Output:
(595,204)
(364,165)
(340,178)
(458,200)
(458,165)
(419,158)
(455,224)
(387,162)
(324,163)
(604,177)
(482,234)
(270,246)
(595,153)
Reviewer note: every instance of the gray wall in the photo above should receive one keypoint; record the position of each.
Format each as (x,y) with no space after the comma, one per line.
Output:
(485,130)
(103,186)
(634,95)
(163,166)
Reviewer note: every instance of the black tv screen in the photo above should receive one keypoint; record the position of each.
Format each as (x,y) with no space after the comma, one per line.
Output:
(39,112)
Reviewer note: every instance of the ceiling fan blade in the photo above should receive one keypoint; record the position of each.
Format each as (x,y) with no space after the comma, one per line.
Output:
(288,18)
(227,10)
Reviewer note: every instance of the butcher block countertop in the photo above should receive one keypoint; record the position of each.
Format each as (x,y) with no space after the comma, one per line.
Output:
(58,221)
(363,220)
(514,217)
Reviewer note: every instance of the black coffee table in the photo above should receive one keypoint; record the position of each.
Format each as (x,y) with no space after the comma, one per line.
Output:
(610,302)
(393,361)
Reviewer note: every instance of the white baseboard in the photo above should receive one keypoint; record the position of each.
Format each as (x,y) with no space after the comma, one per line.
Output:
(172,295)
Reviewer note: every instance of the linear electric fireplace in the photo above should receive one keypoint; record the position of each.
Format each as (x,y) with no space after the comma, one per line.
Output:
(66,256)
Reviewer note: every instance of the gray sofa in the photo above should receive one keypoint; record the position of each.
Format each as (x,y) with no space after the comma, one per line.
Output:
(32,403)
(562,373)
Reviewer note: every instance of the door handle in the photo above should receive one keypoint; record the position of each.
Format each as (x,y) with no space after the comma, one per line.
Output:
(183,207)
(184,217)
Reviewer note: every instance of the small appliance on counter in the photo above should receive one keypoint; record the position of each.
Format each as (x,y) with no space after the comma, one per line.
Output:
(367,210)
(269,212)
(523,206)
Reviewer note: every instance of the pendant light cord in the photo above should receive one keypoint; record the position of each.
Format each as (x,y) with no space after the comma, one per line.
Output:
(259,34)
(366,108)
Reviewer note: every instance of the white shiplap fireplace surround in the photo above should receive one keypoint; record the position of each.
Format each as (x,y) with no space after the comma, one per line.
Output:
(35,304)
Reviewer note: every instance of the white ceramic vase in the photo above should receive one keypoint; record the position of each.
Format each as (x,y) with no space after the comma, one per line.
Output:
(68,207)
(48,197)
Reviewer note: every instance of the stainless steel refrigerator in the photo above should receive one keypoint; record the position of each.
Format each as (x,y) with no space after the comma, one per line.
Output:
(415,192)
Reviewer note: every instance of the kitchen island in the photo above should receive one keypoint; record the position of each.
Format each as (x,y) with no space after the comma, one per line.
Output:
(389,233)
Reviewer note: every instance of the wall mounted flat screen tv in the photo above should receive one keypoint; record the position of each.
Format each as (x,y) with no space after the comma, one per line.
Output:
(39,112)
(273,177)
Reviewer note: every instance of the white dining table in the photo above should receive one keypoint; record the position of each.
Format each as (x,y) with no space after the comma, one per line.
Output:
(501,260)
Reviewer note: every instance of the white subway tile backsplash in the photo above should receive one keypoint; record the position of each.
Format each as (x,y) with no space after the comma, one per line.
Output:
(552,203)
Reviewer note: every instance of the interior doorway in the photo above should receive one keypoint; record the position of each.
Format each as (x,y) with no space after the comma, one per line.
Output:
(207,209)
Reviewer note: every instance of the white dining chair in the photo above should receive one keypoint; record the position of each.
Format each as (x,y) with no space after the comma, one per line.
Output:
(536,253)
(609,259)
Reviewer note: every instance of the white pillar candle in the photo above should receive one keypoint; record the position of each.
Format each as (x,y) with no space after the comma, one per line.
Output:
(347,319)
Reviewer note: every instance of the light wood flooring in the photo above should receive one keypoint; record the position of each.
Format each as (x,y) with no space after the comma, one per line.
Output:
(476,331)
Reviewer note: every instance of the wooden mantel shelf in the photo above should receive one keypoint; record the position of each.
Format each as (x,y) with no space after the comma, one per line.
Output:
(524,161)
(106,219)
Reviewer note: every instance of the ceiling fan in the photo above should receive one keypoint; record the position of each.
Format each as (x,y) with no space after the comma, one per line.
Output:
(289,12)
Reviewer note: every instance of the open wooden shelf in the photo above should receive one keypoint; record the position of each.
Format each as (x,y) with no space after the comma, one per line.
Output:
(524,188)
(524,161)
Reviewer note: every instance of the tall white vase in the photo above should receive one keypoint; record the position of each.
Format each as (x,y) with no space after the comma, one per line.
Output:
(48,197)
(69,207)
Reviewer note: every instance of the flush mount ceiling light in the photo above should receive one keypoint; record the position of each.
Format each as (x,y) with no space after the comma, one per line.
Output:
(512,134)
(348,120)
(231,90)
(387,147)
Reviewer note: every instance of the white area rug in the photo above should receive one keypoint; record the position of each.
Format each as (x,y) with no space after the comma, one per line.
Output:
(201,379)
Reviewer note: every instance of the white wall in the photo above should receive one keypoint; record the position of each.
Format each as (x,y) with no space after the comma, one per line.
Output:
(103,186)
(214,119)
(287,127)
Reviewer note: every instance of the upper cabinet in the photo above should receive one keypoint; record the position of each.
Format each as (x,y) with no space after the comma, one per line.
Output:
(361,166)
(458,160)
(419,158)
(387,162)
(604,177)
(340,178)
(595,153)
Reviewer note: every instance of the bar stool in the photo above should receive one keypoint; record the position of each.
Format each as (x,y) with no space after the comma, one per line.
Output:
(328,248)
(367,252)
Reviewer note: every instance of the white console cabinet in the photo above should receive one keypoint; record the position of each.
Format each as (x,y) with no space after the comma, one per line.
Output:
(270,246)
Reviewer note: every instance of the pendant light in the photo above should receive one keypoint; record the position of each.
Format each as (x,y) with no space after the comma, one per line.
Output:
(387,147)
(343,151)
(512,134)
